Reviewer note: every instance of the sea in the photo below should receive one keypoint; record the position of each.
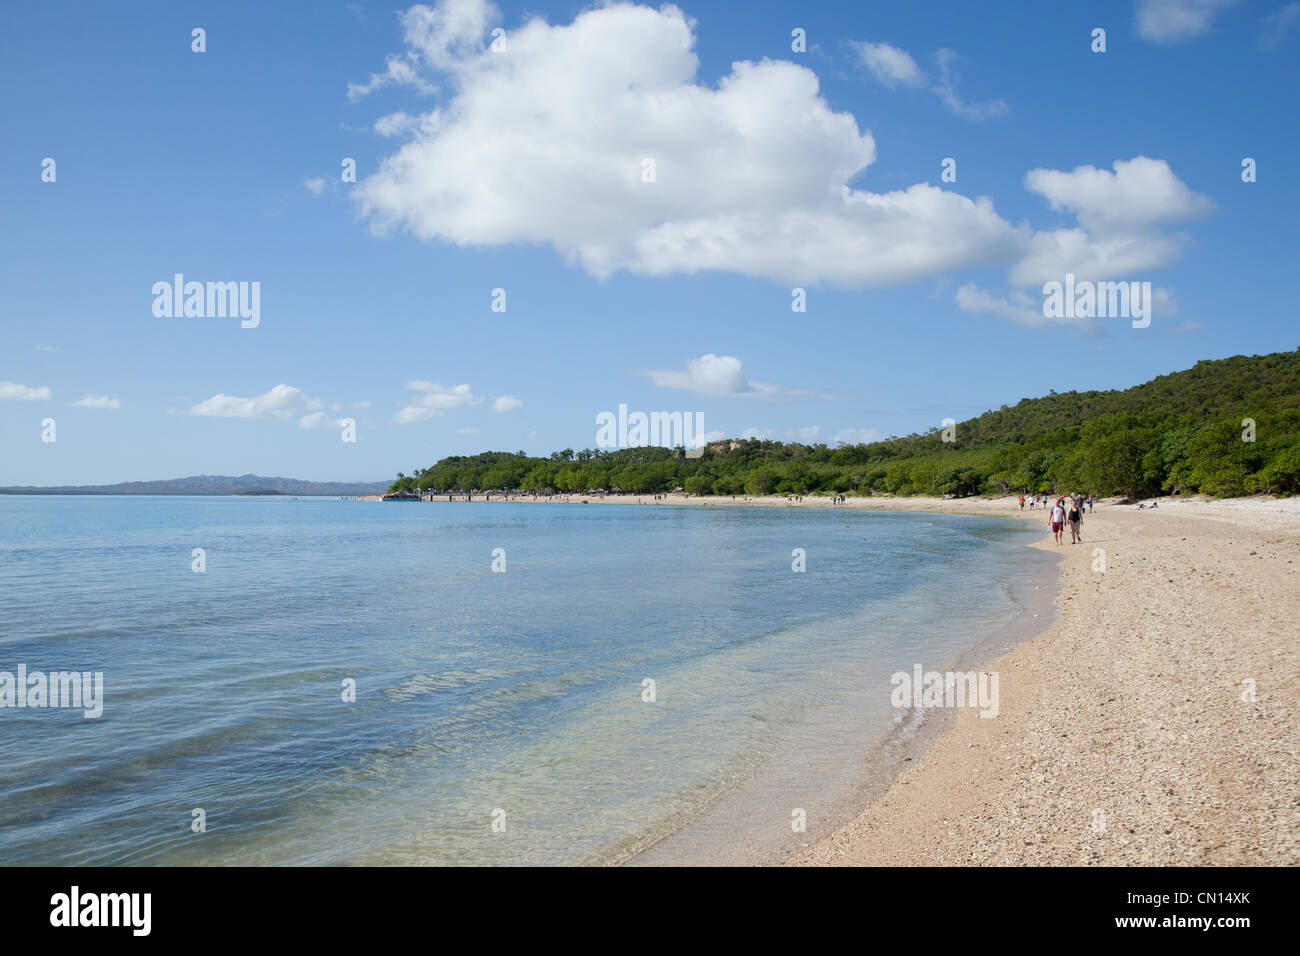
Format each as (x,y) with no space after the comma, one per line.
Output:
(312,681)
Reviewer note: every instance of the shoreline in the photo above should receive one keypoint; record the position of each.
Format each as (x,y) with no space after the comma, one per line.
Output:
(1123,736)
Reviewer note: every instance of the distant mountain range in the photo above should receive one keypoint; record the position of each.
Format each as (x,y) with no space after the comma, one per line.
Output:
(212,485)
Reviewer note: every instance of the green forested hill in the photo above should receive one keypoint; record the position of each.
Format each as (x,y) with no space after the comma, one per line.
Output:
(1178,433)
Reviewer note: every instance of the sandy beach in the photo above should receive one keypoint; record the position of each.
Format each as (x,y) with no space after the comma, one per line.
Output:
(1123,736)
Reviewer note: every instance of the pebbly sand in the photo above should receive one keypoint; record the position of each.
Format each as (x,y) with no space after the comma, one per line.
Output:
(1131,704)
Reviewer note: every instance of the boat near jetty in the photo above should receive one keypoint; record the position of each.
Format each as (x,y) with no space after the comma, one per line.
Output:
(402,496)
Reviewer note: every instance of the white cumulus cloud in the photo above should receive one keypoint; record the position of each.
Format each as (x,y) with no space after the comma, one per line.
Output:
(506,403)
(1140,192)
(750,175)
(1120,234)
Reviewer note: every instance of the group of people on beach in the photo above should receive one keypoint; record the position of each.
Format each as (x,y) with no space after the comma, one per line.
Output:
(1068,510)
(1041,500)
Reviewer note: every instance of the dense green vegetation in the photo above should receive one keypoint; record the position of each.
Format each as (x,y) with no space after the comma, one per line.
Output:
(1180,433)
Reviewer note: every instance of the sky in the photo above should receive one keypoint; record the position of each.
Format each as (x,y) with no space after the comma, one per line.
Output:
(559,209)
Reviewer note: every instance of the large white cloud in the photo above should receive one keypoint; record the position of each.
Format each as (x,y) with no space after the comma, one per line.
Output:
(546,142)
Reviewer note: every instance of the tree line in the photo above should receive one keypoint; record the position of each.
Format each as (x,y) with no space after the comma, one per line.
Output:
(1226,427)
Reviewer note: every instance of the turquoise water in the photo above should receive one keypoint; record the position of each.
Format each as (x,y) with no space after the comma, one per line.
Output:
(512,697)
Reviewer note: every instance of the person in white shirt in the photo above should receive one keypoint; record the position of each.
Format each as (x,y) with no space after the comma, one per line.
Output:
(1057,521)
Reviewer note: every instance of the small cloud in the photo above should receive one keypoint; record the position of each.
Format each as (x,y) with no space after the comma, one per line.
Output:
(467,431)
(894,67)
(42,347)
(946,90)
(22,393)
(722,376)
(433,401)
(395,124)
(890,65)
(319,419)
(357,11)
(97,401)
(1172,21)
(283,401)
(315,186)
(506,403)
(1186,326)
(361,404)
(1278,26)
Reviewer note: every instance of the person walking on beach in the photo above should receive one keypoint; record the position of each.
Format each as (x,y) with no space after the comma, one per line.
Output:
(1075,517)
(1057,521)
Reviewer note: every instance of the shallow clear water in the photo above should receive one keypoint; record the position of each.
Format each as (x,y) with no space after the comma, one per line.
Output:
(517,694)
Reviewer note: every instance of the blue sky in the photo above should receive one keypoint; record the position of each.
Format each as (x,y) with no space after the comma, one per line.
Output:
(774,169)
